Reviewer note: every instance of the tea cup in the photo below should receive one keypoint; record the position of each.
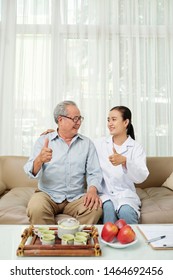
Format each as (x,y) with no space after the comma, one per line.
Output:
(82,234)
(47,231)
(67,239)
(80,240)
(47,239)
(38,230)
(42,231)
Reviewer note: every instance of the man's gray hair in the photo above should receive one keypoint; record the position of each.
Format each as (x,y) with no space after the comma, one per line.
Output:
(61,109)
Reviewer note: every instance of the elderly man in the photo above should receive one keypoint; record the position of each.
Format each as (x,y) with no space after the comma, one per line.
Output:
(61,161)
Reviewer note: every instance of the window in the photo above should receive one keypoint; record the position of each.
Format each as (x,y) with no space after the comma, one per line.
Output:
(97,53)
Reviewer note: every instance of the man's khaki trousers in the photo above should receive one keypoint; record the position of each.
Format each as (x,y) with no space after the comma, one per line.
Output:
(42,210)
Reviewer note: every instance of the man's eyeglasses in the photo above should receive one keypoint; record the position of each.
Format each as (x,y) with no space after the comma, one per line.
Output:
(75,119)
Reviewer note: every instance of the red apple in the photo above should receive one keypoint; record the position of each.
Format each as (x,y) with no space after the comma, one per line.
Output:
(126,235)
(120,223)
(109,231)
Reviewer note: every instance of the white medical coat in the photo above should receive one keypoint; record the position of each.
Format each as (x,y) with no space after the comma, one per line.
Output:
(118,181)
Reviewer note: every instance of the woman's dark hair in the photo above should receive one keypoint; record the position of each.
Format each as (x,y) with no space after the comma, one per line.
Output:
(126,114)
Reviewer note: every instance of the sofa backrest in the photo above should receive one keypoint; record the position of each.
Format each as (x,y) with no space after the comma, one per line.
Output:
(160,168)
(12,174)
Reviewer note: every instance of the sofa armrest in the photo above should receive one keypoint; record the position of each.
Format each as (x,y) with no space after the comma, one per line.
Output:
(2,185)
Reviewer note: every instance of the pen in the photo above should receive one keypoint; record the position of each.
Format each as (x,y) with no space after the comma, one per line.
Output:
(168,245)
(156,238)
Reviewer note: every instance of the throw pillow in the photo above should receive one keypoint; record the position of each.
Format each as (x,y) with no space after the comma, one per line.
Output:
(169,182)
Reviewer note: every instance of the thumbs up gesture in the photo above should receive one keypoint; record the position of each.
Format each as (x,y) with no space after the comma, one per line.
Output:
(117,159)
(46,152)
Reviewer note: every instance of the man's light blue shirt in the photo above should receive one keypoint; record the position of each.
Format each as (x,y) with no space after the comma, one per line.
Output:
(64,176)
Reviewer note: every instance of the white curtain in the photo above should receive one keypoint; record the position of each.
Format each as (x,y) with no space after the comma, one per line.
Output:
(98,53)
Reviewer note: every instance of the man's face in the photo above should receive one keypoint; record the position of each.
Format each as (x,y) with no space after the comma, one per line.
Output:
(67,125)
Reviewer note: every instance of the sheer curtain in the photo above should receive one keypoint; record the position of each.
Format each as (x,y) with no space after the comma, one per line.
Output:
(99,53)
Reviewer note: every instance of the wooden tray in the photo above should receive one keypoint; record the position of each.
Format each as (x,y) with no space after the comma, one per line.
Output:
(35,248)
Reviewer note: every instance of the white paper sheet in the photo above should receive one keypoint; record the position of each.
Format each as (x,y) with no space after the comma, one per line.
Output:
(154,231)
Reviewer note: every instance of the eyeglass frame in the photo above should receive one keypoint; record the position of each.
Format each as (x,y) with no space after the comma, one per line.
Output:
(80,118)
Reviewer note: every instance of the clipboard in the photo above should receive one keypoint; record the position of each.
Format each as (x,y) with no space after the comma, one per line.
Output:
(154,231)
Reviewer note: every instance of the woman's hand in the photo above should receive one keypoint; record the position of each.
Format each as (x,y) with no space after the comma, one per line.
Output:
(117,159)
(47,131)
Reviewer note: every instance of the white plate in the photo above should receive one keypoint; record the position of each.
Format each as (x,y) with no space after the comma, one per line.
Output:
(118,245)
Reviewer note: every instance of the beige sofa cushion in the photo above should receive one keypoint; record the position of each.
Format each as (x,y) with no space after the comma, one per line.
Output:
(13,205)
(13,166)
(160,168)
(169,182)
(157,206)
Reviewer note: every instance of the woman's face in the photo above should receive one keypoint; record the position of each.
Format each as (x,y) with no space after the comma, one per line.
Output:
(116,125)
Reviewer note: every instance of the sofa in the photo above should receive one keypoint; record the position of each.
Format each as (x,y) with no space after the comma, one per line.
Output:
(16,188)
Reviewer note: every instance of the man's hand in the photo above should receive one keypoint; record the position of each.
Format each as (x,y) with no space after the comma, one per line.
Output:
(91,198)
(46,153)
(44,156)
(117,159)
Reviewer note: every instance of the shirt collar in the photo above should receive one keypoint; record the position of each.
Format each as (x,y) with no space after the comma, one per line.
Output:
(55,135)
(124,147)
(129,141)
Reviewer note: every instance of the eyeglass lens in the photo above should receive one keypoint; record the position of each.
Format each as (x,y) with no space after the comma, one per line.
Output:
(76,119)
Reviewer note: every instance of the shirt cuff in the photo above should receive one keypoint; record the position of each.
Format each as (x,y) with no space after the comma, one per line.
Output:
(29,168)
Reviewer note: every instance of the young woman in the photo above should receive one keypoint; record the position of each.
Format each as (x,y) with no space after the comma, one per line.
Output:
(123,163)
